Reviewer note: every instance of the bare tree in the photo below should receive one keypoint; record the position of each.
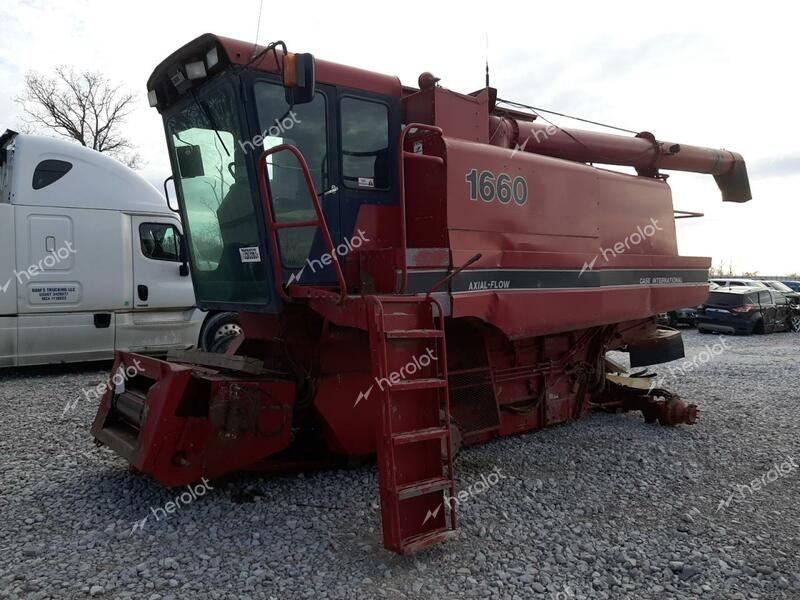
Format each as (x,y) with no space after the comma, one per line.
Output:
(83,106)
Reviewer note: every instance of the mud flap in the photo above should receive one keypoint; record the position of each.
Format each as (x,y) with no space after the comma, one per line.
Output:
(664,344)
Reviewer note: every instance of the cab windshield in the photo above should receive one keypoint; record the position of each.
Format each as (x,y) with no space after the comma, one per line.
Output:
(212,179)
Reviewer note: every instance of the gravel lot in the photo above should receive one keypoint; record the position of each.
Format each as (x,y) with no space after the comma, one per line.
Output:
(605,508)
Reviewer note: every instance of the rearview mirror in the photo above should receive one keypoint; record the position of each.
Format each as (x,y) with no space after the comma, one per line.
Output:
(299,78)
(190,161)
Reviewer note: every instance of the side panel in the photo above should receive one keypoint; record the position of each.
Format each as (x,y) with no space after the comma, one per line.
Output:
(8,341)
(157,331)
(72,260)
(63,337)
(564,246)
(71,274)
(499,200)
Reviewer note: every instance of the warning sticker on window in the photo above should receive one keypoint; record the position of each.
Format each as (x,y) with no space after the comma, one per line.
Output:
(417,147)
(250,254)
(366,182)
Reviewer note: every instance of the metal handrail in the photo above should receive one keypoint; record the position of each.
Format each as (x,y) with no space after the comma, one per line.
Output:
(274,226)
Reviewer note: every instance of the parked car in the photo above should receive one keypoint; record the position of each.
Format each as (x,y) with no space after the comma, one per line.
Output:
(91,260)
(747,310)
(784,289)
(794,285)
(682,316)
(737,282)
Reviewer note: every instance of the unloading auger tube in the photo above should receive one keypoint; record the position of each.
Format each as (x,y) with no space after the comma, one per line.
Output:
(643,152)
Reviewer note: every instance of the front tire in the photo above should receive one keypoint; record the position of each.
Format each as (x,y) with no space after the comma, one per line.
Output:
(220,345)
(217,327)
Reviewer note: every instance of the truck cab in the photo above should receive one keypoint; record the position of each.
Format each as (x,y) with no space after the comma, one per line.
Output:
(90,258)
(346,132)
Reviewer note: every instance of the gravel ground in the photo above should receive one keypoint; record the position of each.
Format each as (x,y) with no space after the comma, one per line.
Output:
(605,508)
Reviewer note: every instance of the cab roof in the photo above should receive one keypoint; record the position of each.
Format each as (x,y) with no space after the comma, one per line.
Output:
(91,179)
(241,54)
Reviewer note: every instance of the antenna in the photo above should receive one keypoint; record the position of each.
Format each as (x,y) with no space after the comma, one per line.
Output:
(487,59)
(258,27)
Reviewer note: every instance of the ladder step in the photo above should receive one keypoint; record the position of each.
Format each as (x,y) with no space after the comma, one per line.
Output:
(418,384)
(423,540)
(420,435)
(423,486)
(414,333)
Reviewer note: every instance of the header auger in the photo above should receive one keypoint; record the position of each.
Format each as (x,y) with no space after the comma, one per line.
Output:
(477,301)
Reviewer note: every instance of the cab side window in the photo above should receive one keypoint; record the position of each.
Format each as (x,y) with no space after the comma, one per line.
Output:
(365,144)
(159,241)
(765,298)
(48,172)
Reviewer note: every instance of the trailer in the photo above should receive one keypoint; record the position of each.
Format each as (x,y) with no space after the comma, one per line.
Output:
(415,270)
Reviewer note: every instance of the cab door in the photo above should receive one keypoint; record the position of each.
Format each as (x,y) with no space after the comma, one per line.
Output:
(310,127)
(366,174)
(157,280)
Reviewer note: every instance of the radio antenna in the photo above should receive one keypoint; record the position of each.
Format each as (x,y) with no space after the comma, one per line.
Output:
(258,28)
(487,59)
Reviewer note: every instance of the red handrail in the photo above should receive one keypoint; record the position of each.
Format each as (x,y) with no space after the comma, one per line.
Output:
(401,170)
(273,225)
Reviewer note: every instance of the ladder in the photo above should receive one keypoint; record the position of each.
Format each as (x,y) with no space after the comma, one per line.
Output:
(415,458)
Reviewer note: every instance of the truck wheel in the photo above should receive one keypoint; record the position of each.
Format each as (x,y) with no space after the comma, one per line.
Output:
(758,327)
(220,345)
(218,326)
(795,323)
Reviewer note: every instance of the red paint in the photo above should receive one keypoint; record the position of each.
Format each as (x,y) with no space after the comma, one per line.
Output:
(593,256)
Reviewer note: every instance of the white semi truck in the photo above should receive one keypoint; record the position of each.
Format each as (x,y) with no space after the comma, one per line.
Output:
(91,260)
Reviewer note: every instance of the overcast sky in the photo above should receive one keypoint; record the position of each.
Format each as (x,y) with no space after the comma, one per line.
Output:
(718,75)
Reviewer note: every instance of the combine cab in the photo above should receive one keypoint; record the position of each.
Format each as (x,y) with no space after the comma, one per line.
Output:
(414,269)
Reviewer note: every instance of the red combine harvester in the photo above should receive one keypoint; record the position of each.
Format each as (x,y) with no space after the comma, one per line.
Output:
(414,269)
